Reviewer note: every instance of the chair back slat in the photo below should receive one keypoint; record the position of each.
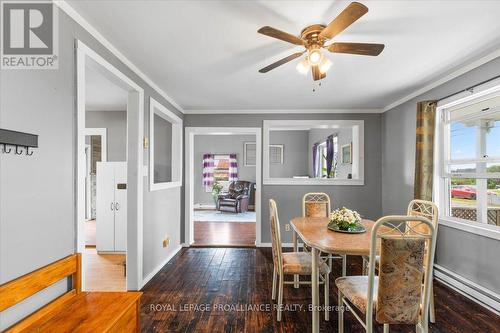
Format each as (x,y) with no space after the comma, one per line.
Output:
(316,205)
(401,272)
(275,235)
(27,285)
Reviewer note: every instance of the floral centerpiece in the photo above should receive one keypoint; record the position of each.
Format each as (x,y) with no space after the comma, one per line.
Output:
(344,219)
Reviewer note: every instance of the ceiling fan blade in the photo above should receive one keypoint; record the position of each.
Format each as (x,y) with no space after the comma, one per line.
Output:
(317,75)
(357,48)
(284,36)
(348,16)
(281,62)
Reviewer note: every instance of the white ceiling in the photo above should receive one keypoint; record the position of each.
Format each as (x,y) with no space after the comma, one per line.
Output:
(101,94)
(206,54)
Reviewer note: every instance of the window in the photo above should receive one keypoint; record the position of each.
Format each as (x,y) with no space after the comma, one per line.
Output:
(221,168)
(470,163)
(165,147)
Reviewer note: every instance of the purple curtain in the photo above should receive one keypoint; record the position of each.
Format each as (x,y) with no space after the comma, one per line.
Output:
(315,160)
(329,155)
(233,168)
(208,170)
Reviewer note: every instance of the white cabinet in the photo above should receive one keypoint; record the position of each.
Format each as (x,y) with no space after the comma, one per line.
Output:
(111,202)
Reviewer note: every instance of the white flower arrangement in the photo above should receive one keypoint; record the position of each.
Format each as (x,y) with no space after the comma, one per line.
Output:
(345,219)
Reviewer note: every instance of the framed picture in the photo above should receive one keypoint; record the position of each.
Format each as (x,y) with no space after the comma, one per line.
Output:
(276,154)
(346,153)
(249,153)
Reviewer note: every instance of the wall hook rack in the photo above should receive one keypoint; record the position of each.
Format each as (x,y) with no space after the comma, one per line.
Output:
(18,140)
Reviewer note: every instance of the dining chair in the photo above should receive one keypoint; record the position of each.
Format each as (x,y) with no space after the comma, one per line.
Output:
(429,210)
(396,294)
(318,204)
(291,263)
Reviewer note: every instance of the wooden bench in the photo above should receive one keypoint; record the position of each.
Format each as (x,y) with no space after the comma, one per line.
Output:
(74,311)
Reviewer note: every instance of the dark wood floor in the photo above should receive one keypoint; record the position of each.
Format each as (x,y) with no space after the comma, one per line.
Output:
(224,233)
(214,278)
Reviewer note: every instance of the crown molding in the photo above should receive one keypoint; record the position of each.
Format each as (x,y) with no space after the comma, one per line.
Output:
(71,12)
(460,71)
(283,111)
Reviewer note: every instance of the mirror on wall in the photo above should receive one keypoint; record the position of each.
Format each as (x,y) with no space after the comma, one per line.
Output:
(165,147)
(314,152)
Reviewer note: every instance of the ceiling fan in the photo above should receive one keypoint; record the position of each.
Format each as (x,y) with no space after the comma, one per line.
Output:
(314,37)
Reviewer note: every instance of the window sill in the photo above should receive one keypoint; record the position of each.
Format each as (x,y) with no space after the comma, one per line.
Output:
(475,228)
(312,181)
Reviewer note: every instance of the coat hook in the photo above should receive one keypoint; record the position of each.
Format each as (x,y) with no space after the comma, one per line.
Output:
(18,152)
(5,149)
(27,151)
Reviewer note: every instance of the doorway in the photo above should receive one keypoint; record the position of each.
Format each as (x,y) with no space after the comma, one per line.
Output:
(223,186)
(106,98)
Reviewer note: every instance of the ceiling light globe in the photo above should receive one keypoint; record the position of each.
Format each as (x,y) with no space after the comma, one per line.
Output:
(303,67)
(325,66)
(314,57)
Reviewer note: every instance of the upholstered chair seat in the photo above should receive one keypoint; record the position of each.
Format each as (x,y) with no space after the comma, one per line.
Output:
(300,263)
(355,289)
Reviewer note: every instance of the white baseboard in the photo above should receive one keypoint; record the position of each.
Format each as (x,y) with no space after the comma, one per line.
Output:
(479,294)
(160,266)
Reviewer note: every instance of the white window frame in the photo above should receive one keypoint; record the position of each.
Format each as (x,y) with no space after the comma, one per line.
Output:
(442,148)
(284,125)
(156,108)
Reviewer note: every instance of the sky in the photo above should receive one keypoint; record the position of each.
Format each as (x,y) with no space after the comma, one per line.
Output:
(463,141)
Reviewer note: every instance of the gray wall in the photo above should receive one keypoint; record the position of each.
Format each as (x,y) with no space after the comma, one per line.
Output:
(115,123)
(366,199)
(219,144)
(295,153)
(43,102)
(471,256)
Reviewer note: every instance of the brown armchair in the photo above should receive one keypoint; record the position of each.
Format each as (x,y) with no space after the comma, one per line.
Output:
(237,197)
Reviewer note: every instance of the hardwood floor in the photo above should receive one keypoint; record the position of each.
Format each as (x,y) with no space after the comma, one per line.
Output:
(104,272)
(224,233)
(221,282)
(90,233)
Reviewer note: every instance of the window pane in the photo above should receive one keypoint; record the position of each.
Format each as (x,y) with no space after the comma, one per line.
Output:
(462,168)
(463,198)
(493,138)
(462,141)
(493,167)
(221,168)
(494,201)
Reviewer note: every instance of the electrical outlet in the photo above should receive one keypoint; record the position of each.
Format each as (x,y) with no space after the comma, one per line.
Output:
(287,227)
(166,242)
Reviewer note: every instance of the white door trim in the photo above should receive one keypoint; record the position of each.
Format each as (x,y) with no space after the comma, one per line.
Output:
(135,133)
(190,132)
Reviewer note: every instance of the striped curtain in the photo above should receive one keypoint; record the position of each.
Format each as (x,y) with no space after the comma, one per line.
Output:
(424,150)
(208,171)
(233,168)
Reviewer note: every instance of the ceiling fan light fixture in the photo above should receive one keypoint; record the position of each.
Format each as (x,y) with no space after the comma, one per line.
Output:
(325,65)
(303,67)
(314,57)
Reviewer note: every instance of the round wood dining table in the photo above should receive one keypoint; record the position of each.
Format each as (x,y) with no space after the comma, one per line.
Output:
(314,233)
